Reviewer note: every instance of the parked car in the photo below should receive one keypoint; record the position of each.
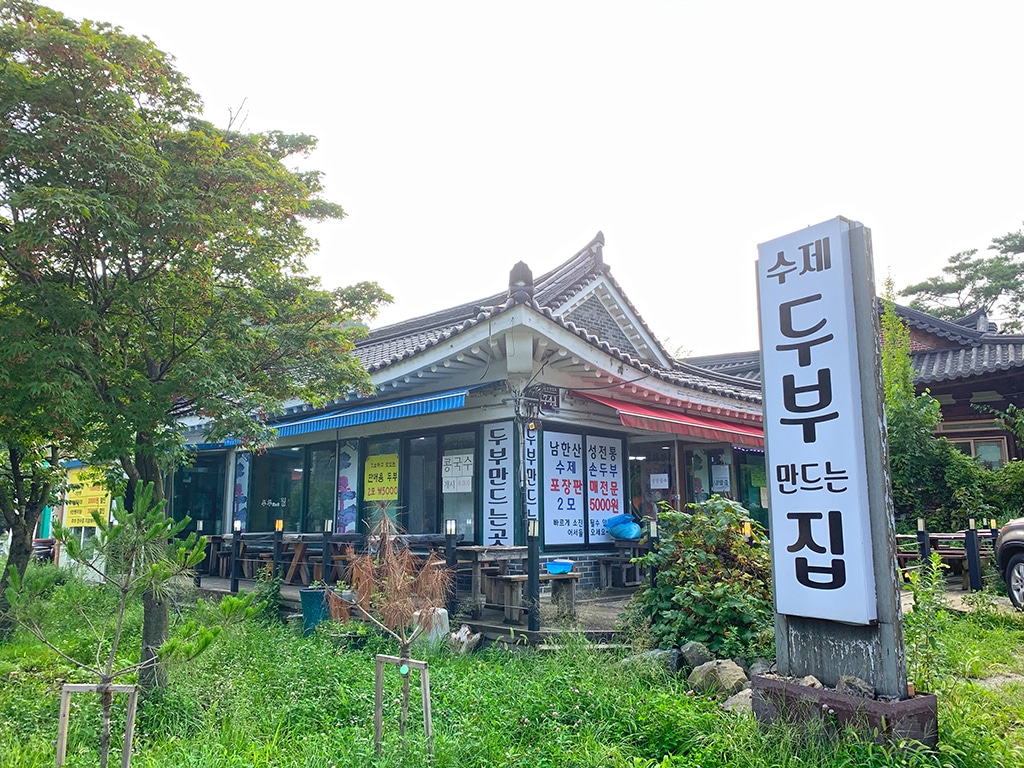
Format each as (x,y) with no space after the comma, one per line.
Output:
(1010,559)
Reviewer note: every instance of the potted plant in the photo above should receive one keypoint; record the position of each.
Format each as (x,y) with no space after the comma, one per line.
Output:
(315,605)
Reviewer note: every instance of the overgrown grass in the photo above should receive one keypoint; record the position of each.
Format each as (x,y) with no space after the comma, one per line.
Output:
(266,696)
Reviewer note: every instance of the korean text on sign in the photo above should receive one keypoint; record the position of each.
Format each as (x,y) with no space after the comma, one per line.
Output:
(815,437)
(564,513)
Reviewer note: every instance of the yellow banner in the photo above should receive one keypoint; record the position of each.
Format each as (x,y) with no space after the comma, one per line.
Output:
(85,494)
(380,478)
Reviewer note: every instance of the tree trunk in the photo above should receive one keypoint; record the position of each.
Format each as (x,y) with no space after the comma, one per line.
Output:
(144,468)
(155,628)
(23,525)
(106,703)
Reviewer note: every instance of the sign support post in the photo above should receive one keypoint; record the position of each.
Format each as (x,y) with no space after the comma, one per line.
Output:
(833,538)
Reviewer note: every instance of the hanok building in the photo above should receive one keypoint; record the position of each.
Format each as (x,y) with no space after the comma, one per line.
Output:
(552,399)
(967,365)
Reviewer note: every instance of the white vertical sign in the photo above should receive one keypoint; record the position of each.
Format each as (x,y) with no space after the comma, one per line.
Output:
(564,516)
(531,467)
(817,474)
(499,483)
(604,485)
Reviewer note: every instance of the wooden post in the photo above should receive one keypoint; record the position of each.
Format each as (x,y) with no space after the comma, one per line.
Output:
(62,725)
(378,714)
(378,704)
(428,721)
(129,726)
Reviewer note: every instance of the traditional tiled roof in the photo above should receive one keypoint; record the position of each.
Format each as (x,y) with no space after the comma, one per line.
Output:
(989,356)
(741,365)
(391,344)
(966,351)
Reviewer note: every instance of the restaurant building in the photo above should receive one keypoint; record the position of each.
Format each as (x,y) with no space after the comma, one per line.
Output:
(550,399)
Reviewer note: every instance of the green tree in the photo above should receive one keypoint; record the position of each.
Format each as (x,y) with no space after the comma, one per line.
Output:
(40,425)
(171,250)
(970,282)
(130,556)
(930,477)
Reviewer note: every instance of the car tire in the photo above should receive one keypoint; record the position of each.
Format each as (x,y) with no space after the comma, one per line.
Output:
(1015,580)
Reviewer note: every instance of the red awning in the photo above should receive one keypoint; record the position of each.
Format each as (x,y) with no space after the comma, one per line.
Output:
(663,420)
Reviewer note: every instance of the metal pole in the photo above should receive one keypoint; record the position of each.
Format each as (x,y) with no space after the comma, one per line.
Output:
(327,560)
(197,579)
(451,561)
(973,557)
(533,572)
(652,538)
(278,545)
(924,544)
(236,564)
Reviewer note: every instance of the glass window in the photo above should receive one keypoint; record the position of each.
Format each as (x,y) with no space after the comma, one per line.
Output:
(990,453)
(323,474)
(458,482)
(421,492)
(381,474)
(277,489)
(199,492)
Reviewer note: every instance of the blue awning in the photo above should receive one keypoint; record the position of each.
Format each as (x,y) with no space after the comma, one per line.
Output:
(399,409)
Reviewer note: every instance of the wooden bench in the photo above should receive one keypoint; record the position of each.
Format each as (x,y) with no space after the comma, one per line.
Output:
(563,593)
(618,571)
(953,557)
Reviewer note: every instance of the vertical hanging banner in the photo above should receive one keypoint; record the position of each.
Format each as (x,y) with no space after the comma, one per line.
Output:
(564,516)
(531,467)
(499,483)
(814,432)
(604,485)
(242,464)
(348,487)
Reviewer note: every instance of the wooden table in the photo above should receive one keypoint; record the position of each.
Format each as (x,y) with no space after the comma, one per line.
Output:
(619,570)
(477,556)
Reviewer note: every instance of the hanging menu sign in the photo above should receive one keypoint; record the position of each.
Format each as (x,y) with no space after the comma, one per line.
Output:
(380,478)
(604,484)
(457,473)
(85,496)
(499,483)
(564,515)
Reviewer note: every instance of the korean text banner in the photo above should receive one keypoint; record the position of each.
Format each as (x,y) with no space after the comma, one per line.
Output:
(817,473)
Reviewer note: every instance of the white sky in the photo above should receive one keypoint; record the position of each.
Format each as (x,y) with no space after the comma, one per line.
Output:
(462,137)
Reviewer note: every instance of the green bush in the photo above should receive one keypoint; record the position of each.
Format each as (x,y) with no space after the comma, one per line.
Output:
(713,584)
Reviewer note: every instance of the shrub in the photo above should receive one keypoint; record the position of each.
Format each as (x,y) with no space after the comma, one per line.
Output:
(713,583)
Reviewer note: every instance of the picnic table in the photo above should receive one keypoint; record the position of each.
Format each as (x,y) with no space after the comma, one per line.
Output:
(477,556)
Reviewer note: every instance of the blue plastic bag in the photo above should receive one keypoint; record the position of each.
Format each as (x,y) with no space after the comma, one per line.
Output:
(615,520)
(629,531)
